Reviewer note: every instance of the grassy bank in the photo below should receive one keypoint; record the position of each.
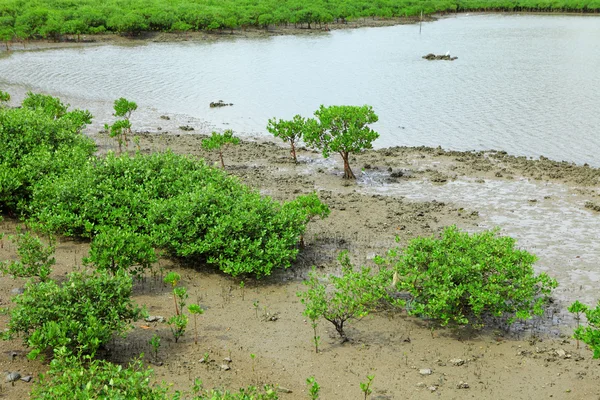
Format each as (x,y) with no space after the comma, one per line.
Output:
(33,19)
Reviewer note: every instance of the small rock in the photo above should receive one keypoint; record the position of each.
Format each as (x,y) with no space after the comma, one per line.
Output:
(165,117)
(13,376)
(457,362)
(27,378)
(462,385)
(225,367)
(283,390)
(432,388)
(561,353)
(425,371)
(421,385)
(154,318)
(19,290)
(227,359)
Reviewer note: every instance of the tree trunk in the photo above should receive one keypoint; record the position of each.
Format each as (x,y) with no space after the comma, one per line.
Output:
(339,327)
(221,157)
(348,174)
(293,151)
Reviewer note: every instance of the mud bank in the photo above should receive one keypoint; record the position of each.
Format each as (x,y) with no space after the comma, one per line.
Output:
(528,363)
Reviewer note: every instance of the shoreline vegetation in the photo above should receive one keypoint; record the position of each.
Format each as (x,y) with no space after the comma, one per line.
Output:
(58,21)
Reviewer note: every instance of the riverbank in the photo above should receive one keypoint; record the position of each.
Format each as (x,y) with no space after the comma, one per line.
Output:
(538,360)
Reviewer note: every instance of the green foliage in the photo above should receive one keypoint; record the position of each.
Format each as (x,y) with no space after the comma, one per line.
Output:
(115,249)
(155,343)
(366,386)
(78,316)
(38,141)
(313,388)
(186,208)
(35,258)
(178,324)
(353,295)
(343,130)
(195,310)
(249,393)
(121,127)
(461,278)
(4,97)
(219,142)
(590,333)
(73,378)
(289,131)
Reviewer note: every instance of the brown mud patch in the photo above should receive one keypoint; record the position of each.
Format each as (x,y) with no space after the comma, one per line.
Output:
(265,319)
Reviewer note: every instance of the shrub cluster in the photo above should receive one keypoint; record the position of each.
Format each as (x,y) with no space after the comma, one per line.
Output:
(183,206)
(75,317)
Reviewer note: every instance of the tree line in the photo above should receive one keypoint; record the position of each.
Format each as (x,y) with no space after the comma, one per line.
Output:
(35,19)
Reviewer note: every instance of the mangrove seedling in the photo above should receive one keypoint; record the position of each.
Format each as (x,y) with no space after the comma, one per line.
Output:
(178,324)
(182,295)
(242,286)
(219,142)
(589,334)
(121,127)
(173,279)
(155,343)
(313,388)
(4,98)
(256,307)
(366,386)
(195,310)
(578,309)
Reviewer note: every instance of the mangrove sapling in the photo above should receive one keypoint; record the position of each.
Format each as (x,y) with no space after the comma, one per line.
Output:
(289,131)
(121,127)
(155,343)
(219,141)
(242,286)
(578,309)
(35,257)
(589,334)
(343,130)
(353,295)
(173,278)
(366,386)
(195,310)
(178,324)
(313,388)
(181,295)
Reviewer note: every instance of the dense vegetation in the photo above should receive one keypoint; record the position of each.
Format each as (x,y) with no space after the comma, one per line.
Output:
(462,278)
(26,19)
(135,203)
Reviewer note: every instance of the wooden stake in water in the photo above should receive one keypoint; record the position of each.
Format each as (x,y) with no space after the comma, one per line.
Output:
(420,22)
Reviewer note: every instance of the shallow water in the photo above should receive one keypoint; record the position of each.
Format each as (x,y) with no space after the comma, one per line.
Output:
(547,219)
(527,84)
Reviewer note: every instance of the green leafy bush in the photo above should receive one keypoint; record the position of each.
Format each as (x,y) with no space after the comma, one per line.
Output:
(352,295)
(38,141)
(249,393)
(73,378)
(590,333)
(79,315)
(185,207)
(35,258)
(461,278)
(115,249)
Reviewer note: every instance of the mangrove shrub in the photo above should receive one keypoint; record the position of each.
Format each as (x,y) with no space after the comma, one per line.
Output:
(461,278)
